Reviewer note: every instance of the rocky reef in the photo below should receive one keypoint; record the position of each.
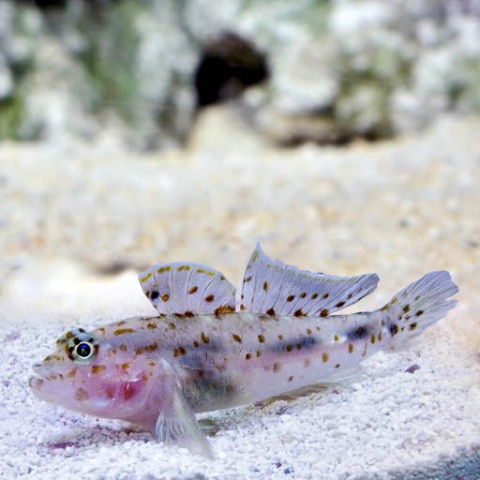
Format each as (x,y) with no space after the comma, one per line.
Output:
(136,72)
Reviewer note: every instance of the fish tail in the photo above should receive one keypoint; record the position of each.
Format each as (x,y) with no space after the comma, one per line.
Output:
(417,306)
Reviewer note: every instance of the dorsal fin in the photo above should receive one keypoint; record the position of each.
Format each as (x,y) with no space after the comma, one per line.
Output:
(270,286)
(187,289)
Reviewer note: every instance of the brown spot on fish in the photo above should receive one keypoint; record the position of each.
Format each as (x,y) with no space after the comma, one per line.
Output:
(314,295)
(247,279)
(351,348)
(340,304)
(299,313)
(259,353)
(153,295)
(189,314)
(406,308)
(324,313)
(309,331)
(205,338)
(224,309)
(325,357)
(72,373)
(280,337)
(242,307)
(179,351)
(123,331)
(373,339)
(165,297)
(123,347)
(380,336)
(81,395)
(290,378)
(193,290)
(290,298)
(265,286)
(230,389)
(337,365)
(126,365)
(248,356)
(325,295)
(236,338)
(184,267)
(139,351)
(210,298)
(289,348)
(270,312)
(98,369)
(303,294)
(172,326)
(413,326)
(336,337)
(196,344)
(394,329)
(276,367)
(261,338)
(420,312)
(102,330)
(151,325)
(359,333)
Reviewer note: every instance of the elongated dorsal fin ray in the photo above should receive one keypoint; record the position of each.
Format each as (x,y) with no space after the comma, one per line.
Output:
(270,286)
(187,289)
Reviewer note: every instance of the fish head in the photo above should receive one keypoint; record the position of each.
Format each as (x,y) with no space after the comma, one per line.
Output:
(87,374)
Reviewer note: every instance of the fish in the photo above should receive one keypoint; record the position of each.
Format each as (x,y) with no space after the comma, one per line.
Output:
(209,350)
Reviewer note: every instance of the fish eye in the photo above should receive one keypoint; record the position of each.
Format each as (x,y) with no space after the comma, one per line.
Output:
(84,351)
(81,346)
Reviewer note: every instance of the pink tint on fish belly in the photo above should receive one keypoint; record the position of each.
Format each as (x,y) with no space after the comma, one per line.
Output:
(203,353)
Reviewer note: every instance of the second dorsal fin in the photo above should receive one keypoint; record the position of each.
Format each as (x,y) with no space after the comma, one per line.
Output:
(271,287)
(187,289)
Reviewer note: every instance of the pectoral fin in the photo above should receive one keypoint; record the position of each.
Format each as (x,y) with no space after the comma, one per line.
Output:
(176,423)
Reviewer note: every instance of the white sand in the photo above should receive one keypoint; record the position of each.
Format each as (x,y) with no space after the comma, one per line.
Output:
(401,209)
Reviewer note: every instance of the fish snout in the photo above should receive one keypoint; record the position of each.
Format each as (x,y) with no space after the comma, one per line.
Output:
(42,369)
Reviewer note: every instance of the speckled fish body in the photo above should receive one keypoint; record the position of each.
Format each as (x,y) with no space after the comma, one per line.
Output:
(207,351)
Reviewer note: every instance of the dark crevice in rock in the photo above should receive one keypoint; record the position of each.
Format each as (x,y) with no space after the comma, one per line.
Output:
(228,66)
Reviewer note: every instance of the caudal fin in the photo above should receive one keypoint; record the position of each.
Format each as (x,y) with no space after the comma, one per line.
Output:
(419,305)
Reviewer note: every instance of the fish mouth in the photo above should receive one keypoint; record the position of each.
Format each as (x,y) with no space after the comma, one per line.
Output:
(35,383)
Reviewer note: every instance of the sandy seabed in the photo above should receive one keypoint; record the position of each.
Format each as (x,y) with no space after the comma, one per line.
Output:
(78,224)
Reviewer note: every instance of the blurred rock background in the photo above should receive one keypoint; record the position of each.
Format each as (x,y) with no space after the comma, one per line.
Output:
(136,72)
